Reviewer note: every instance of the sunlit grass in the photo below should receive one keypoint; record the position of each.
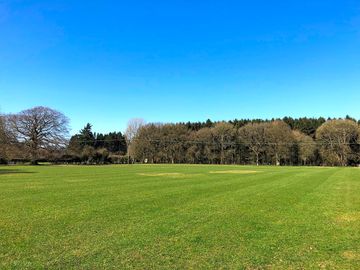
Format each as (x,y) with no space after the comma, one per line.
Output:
(178,216)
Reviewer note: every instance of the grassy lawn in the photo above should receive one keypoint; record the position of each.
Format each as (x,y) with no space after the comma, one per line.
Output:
(181,216)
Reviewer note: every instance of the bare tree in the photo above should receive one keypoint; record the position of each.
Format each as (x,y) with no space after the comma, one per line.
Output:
(203,146)
(336,139)
(279,141)
(224,134)
(3,140)
(306,146)
(144,146)
(174,142)
(132,130)
(254,137)
(39,128)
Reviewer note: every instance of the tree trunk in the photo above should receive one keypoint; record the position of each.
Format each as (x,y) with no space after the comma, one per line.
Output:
(277,159)
(34,155)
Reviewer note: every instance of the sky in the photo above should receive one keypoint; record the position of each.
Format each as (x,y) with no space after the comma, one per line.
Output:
(105,62)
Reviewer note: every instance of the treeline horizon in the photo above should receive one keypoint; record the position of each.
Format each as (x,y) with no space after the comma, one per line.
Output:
(286,141)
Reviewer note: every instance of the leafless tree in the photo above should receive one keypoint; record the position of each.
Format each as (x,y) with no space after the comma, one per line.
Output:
(306,146)
(173,147)
(39,128)
(144,145)
(224,134)
(132,130)
(3,140)
(336,139)
(202,146)
(279,141)
(253,136)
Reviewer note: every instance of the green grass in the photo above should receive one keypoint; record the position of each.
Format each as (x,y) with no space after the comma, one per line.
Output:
(180,216)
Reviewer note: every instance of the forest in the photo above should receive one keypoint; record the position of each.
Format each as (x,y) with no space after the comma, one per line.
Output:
(41,134)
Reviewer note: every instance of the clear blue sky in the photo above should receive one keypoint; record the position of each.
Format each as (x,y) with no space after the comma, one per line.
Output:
(165,61)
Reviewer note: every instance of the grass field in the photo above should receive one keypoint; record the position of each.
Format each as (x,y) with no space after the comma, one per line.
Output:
(179,216)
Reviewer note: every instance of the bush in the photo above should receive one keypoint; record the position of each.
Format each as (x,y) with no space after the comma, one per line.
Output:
(119,159)
(3,161)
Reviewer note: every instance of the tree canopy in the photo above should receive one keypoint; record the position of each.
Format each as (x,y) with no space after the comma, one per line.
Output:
(39,128)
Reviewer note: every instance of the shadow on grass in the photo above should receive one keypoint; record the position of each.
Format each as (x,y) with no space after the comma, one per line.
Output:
(13,171)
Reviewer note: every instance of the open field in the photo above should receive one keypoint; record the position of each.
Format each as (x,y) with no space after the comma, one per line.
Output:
(179,216)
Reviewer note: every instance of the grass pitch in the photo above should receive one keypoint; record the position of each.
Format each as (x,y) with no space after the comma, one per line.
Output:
(181,216)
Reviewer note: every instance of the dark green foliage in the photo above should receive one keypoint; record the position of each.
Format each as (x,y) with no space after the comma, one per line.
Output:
(95,148)
(114,142)
(307,126)
(84,138)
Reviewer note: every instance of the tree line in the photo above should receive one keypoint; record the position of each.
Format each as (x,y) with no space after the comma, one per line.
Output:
(42,134)
(287,141)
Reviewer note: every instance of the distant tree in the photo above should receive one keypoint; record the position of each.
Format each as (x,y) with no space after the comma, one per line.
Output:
(145,145)
(192,148)
(75,146)
(253,136)
(208,123)
(85,137)
(174,143)
(348,117)
(337,141)
(224,136)
(306,147)
(87,142)
(101,156)
(39,128)
(88,154)
(202,147)
(115,142)
(133,127)
(99,140)
(279,141)
(308,126)
(3,141)
(10,148)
